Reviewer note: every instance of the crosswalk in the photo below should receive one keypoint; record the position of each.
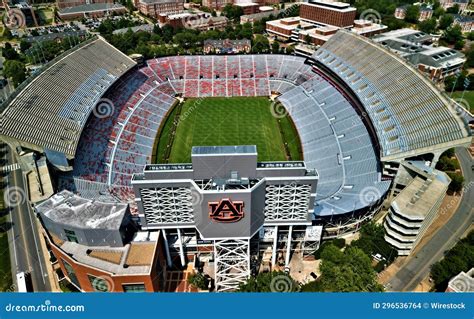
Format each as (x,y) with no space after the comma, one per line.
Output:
(10,168)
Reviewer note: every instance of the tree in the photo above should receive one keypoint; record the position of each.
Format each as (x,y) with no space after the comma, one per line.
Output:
(348,271)
(457,182)
(453,34)
(275,47)
(470,56)
(9,52)
(260,44)
(428,26)
(372,242)
(199,281)
(413,12)
(454,9)
(393,23)
(290,49)
(459,45)
(275,281)
(24,45)
(445,21)
(457,259)
(232,12)
(15,70)
(7,34)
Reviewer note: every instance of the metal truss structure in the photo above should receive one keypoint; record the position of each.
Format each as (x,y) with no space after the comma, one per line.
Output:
(168,205)
(232,263)
(287,202)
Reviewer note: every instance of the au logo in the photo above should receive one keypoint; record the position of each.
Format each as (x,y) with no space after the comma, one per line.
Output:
(226,211)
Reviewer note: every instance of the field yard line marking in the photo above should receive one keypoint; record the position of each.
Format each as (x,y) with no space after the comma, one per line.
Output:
(212,75)
(268,76)
(254,75)
(240,77)
(184,77)
(226,78)
(199,76)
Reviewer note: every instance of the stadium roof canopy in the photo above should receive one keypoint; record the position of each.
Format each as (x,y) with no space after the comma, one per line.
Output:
(408,112)
(48,111)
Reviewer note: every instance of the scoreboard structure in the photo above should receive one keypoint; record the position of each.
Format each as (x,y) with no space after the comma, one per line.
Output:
(224,203)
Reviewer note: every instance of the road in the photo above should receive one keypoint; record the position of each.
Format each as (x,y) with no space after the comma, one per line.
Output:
(25,250)
(418,267)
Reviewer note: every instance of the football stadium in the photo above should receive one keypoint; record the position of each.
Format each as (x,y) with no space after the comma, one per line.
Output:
(236,161)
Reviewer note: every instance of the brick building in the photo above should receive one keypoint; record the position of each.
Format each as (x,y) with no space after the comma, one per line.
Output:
(337,14)
(216,4)
(249,7)
(62,4)
(97,245)
(463,4)
(153,8)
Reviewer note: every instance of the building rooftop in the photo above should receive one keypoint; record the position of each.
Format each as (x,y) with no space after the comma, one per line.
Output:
(132,259)
(291,23)
(336,5)
(70,209)
(143,27)
(411,45)
(91,8)
(418,198)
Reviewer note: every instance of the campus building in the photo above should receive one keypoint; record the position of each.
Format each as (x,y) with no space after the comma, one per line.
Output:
(339,14)
(416,47)
(97,245)
(153,8)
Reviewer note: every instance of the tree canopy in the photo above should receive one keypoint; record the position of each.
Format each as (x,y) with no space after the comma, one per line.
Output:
(275,281)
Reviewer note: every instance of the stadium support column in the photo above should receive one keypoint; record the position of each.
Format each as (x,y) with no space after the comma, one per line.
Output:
(275,244)
(167,249)
(288,247)
(232,263)
(181,250)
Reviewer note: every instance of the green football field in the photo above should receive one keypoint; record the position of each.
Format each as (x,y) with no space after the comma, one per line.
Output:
(227,121)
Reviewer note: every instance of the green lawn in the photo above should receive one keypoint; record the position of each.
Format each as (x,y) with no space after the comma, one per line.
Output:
(468,96)
(228,121)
